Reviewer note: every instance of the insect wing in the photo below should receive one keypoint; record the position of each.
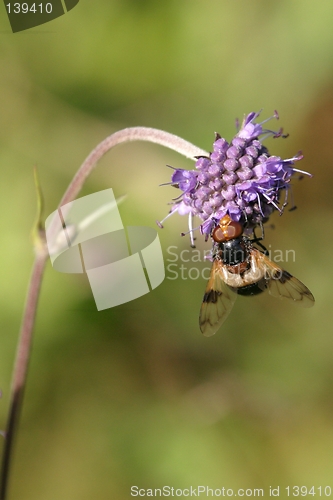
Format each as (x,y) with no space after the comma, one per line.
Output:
(282,284)
(217,302)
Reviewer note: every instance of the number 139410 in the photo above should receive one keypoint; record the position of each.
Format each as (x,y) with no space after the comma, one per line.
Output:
(303,491)
(24,8)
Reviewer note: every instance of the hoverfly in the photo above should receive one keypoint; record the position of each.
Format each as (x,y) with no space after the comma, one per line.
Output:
(241,269)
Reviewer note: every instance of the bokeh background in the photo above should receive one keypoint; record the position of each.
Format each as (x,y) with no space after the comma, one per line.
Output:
(135,395)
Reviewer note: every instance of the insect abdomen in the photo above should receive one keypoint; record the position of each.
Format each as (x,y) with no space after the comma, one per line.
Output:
(252,289)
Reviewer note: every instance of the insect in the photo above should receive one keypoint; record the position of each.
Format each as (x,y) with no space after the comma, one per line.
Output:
(241,269)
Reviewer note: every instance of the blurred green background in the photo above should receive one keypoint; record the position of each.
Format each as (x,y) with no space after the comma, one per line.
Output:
(135,395)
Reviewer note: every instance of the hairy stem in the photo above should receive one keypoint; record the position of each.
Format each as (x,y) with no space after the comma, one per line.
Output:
(128,134)
(26,334)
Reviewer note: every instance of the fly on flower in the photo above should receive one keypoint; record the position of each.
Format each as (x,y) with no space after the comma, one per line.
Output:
(233,190)
(239,268)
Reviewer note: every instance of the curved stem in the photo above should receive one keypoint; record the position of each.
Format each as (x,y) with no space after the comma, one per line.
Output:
(26,334)
(160,137)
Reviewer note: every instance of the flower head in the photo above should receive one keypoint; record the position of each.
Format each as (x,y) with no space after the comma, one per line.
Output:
(240,179)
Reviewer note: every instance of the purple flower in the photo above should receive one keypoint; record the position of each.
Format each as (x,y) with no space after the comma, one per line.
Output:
(240,179)
(186,180)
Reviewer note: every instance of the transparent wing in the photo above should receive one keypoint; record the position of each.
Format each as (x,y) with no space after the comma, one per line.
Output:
(217,301)
(282,284)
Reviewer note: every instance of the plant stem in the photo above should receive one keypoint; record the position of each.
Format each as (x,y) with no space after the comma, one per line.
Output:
(128,134)
(26,334)
(21,366)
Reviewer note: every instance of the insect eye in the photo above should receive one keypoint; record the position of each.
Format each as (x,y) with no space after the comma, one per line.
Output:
(219,235)
(234,230)
(228,232)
